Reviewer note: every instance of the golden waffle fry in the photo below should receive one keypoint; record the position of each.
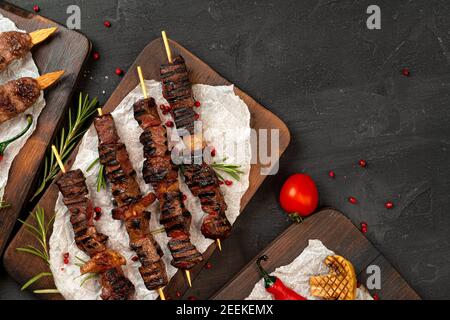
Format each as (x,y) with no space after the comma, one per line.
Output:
(339,284)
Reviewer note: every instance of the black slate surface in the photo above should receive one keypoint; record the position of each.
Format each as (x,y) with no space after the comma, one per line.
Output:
(339,88)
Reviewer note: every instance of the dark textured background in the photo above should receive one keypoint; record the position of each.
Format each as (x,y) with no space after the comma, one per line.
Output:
(339,88)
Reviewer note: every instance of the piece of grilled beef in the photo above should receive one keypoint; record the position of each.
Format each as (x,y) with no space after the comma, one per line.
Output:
(204,184)
(177,90)
(13,45)
(115,285)
(129,204)
(74,190)
(162,174)
(17,96)
(201,179)
(106,262)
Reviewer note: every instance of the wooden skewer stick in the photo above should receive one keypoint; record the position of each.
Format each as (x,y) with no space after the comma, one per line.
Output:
(167,46)
(58,159)
(188,277)
(39,36)
(219,244)
(48,79)
(100,111)
(144,92)
(169,57)
(141,79)
(161,294)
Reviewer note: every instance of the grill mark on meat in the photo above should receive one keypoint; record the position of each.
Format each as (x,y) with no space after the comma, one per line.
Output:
(201,179)
(14,45)
(17,96)
(204,184)
(115,285)
(177,90)
(162,174)
(129,204)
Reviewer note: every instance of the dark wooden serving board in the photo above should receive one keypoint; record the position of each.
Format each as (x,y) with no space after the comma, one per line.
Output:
(22,267)
(338,234)
(66,50)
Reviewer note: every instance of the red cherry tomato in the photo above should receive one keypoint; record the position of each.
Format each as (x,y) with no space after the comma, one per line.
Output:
(299,196)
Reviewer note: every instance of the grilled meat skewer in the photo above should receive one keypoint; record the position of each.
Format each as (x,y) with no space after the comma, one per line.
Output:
(129,204)
(177,90)
(204,184)
(106,262)
(15,45)
(162,174)
(200,178)
(19,95)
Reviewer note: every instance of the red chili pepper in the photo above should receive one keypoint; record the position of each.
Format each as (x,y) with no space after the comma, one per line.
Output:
(275,286)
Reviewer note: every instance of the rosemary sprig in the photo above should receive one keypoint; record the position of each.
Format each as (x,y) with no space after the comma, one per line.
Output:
(67,140)
(230,169)
(36,278)
(88,277)
(46,291)
(40,231)
(4,205)
(101,181)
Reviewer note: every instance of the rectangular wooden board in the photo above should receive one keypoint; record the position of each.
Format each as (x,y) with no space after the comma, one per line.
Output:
(66,50)
(22,267)
(339,235)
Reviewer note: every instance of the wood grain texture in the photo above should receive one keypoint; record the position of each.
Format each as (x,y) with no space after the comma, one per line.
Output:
(66,50)
(338,234)
(22,267)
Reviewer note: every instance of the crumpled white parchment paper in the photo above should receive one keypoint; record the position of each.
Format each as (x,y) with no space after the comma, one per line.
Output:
(296,274)
(21,68)
(221,109)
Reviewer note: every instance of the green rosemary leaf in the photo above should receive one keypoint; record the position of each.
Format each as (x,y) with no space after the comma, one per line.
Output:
(50,222)
(37,237)
(39,217)
(235,176)
(68,139)
(232,170)
(46,291)
(81,260)
(4,205)
(89,277)
(29,226)
(35,279)
(32,251)
(220,176)
(93,164)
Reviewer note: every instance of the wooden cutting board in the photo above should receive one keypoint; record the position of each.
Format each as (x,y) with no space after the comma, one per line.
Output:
(338,234)
(22,267)
(67,50)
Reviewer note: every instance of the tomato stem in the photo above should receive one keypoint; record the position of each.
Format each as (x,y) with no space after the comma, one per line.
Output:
(296,217)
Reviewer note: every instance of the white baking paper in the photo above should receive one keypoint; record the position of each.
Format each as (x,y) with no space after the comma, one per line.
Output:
(221,109)
(296,274)
(21,68)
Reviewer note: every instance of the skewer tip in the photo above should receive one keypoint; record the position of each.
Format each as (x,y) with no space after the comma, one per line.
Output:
(58,159)
(142,81)
(219,244)
(188,277)
(161,294)
(100,111)
(167,46)
(49,79)
(39,36)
